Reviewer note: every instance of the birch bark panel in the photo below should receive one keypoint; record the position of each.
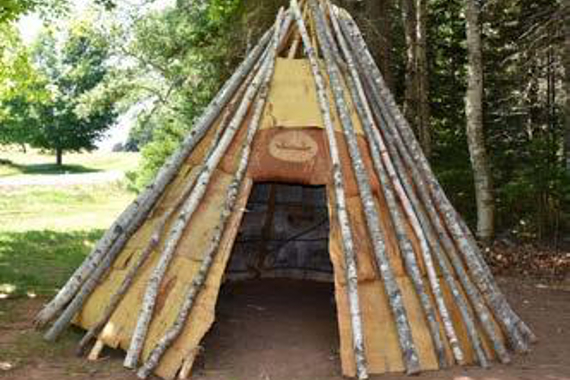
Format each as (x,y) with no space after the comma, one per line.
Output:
(266,165)
(383,353)
(121,324)
(203,313)
(292,101)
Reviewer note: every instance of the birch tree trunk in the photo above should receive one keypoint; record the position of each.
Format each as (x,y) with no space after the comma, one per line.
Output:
(340,200)
(130,219)
(431,192)
(410,83)
(475,138)
(423,114)
(566,64)
(178,227)
(360,101)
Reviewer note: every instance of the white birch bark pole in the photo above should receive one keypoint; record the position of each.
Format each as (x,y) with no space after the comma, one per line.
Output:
(367,119)
(340,201)
(91,283)
(229,203)
(177,230)
(410,261)
(393,292)
(457,228)
(130,219)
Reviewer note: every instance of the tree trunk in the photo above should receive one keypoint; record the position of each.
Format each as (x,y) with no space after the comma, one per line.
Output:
(371,214)
(410,83)
(475,138)
(566,64)
(423,110)
(58,156)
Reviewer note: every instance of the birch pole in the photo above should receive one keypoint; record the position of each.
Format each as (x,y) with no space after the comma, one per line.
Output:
(186,213)
(133,216)
(367,119)
(340,200)
(160,227)
(395,299)
(409,256)
(426,182)
(91,283)
(229,203)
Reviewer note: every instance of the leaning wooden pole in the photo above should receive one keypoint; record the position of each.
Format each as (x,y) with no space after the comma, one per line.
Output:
(367,119)
(395,299)
(459,232)
(130,219)
(159,229)
(91,283)
(200,278)
(426,253)
(185,215)
(340,200)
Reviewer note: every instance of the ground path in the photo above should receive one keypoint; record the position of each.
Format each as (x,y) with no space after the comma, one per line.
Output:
(283,330)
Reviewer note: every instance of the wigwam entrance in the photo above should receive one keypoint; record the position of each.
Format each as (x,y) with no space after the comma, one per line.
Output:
(284,233)
(275,313)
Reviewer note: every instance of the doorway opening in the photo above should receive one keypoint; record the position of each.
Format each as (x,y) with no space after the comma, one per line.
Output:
(276,315)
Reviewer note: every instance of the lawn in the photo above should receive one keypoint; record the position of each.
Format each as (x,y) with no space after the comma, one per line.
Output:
(46,231)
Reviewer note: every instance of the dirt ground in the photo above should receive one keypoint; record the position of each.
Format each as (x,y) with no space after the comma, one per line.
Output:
(284,330)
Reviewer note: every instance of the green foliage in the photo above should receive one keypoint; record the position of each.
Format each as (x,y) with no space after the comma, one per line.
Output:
(184,54)
(76,105)
(11,10)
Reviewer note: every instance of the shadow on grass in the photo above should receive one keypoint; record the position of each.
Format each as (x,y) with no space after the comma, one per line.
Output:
(38,262)
(47,168)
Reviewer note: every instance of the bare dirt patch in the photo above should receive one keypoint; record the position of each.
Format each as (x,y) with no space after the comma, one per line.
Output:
(284,330)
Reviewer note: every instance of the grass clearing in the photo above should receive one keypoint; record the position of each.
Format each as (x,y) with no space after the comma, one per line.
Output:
(33,162)
(46,232)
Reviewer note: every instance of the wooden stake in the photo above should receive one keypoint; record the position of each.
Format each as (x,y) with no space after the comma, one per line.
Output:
(340,200)
(395,299)
(96,350)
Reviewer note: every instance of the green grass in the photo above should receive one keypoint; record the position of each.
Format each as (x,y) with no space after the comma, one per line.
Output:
(38,208)
(45,232)
(16,163)
(38,262)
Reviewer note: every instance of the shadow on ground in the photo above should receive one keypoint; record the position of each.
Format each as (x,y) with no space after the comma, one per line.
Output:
(46,168)
(37,262)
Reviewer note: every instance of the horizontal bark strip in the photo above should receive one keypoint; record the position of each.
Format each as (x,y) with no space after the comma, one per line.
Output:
(340,200)
(395,299)
(229,204)
(135,214)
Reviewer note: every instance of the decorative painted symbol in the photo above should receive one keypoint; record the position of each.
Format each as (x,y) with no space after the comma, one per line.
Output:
(295,146)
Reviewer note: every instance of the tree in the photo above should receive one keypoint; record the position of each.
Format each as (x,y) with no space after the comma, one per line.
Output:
(73,68)
(475,137)
(20,85)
